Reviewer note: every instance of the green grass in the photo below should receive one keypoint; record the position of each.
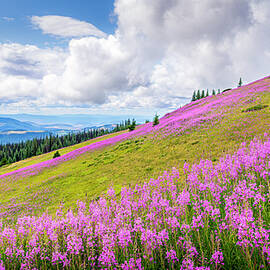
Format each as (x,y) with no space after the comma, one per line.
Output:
(48,156)
(132,161)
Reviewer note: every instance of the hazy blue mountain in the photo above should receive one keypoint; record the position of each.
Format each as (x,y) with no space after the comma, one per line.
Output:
(9,124)
(76,120)
(21,127)
(13,131)
(108,126)
(16,138)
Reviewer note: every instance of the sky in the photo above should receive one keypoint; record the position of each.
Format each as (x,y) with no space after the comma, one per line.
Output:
(136,56)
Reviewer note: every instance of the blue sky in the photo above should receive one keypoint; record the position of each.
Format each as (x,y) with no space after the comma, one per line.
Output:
(20,30)
(126,56)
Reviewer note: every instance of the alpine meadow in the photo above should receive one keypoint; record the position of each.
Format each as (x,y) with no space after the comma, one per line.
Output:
(191,191)
(135,135)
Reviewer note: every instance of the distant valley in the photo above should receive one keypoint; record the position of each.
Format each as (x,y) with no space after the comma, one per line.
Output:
(22,127)
(14,131)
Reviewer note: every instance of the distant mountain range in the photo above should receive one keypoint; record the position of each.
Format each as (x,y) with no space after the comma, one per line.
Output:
(14,131)
(21,127)
(75,121)
(9,124)
(108,126)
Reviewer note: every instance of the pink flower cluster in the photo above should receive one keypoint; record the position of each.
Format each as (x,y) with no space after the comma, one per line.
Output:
(215,216)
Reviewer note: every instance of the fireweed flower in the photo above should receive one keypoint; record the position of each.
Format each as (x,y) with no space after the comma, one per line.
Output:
(158,223)
(171,256)
(132,264)
(217,258)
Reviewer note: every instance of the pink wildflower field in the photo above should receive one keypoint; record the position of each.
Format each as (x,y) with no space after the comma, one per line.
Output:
(217,217)
(212,216)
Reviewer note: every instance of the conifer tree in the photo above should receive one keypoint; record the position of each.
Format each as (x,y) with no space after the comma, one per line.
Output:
(198,96)
(3,161)
(38,152)
(213,92)
(193,96)
(156,120)
(54,147)
(207,93)
(132,126)
(203,95)
(240,82)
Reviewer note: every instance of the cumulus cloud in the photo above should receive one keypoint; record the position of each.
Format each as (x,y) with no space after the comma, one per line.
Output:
(23,67)
(161,51)
(65,26)
(193,44)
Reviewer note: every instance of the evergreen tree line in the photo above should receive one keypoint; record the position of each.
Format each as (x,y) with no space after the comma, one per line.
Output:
(201,94)
(13,152)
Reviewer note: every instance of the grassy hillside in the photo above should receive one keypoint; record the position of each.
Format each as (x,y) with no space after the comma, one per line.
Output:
(48,156)
(205,129)
(210,211)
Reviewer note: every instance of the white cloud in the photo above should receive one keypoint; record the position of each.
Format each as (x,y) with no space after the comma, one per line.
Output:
(160,52)
(23,68)
(65,26)
(8,19)
(93,69)
(188,45)
(195,44)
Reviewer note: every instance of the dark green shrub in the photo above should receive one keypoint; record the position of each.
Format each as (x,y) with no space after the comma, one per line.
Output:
(56,154)
(131,127)
(255,108)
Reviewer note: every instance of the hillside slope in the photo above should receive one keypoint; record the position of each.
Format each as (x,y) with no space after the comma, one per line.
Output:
(205,129)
